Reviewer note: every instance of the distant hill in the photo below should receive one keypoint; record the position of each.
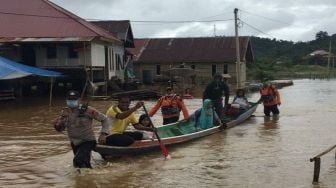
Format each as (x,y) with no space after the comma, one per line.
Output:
(275,59)
(271,50)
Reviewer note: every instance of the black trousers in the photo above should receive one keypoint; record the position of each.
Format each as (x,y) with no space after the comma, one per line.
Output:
(170,120)
(124,139)
(218,105)
(82,154)
(268,109)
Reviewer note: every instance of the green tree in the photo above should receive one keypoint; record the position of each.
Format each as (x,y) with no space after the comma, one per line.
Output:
(321,35)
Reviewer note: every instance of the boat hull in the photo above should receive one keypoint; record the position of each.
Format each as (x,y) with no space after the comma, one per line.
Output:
(144,146)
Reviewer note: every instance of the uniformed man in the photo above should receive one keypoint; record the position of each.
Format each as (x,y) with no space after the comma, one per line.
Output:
(77,120)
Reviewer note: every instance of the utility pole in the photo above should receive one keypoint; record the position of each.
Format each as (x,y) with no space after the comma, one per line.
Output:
(329,54)
(237,48)
(214,30)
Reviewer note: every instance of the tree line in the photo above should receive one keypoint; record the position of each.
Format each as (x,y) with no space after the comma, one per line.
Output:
(272,54)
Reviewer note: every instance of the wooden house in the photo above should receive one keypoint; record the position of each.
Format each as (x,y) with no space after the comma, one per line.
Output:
(206,55)
(42,34)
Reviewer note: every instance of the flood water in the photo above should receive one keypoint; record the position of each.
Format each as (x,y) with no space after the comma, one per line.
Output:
(260,153)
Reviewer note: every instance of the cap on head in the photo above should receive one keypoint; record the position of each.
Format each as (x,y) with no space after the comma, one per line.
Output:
(72,95)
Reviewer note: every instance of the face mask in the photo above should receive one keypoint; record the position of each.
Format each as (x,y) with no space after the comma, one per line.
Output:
(72,103)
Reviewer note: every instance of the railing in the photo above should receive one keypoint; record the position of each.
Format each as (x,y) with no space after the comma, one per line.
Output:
(317,163)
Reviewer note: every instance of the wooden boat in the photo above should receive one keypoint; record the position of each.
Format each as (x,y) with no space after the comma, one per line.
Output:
(174,133)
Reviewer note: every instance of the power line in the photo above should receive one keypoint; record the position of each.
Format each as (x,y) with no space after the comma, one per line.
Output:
(176,22)
(135,21)
(257,29)
(274,20)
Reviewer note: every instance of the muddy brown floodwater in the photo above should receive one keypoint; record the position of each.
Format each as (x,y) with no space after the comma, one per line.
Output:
(261,152)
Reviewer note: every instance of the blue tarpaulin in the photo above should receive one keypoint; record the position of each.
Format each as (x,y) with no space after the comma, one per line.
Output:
(10,70)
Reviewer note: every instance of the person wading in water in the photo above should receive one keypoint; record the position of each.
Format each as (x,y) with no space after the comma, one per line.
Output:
(77,120)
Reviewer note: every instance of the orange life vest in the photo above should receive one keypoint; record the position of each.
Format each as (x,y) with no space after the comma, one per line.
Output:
(268,96)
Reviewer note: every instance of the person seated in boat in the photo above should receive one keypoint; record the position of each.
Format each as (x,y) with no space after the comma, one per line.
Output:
(206,117)
(146,122)
(171,105)
(240,101)
(77,119)
(121,116)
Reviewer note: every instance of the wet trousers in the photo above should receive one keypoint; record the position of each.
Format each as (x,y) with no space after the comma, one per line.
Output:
(82,154)
(124,139)
(268,109)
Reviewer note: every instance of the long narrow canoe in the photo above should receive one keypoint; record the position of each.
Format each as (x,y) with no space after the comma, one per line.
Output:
(174,133)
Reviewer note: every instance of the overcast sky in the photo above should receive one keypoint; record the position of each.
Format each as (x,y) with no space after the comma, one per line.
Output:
(295,20)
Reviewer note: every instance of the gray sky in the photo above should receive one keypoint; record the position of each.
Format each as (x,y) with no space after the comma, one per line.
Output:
(295,20)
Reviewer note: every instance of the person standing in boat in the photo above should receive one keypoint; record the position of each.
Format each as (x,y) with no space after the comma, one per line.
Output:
(206,117)
(171,105)
(270,97)
(77,120)
(215,91)
(122,116)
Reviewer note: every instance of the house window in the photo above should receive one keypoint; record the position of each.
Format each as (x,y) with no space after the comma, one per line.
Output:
(158,70)
(193,67)
(72,53)
(213,70)
(225,69)
(51,51)
(118,61)
(111,59)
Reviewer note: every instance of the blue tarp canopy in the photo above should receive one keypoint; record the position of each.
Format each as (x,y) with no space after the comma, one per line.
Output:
(10,70)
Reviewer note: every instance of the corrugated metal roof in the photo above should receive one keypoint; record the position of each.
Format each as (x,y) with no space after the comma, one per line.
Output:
(65,39)
(207,49)
(114,26)
(42,18)
(119,28)
(139,46)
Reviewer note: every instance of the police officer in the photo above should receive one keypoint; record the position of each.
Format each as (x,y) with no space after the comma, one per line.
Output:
(215,91)
(77,120)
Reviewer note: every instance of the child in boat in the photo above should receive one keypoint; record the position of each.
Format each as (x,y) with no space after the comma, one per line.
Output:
(145,121)
(240,101)
(206,117)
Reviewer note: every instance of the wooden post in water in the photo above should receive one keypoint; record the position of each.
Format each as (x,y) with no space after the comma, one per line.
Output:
(317,165)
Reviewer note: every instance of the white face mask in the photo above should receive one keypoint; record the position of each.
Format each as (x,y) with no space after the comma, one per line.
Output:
(72,103)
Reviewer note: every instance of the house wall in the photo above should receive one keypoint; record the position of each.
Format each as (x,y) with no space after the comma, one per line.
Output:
(62,59)
(203,74)
(119,63)
(92,55)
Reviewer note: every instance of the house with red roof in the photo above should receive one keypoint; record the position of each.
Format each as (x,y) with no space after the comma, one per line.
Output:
(42,34)
(159,58)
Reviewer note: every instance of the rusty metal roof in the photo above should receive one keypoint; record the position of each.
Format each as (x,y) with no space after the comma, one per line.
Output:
(44,19)
(119,28)
(42,39)
(205,49)
(139,46)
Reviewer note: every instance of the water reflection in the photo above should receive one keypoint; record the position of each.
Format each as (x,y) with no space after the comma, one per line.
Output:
(262,152)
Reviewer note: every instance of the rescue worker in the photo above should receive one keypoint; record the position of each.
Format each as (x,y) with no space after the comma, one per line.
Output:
(270,97)
(171,105)
(77,120)
(215,91)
